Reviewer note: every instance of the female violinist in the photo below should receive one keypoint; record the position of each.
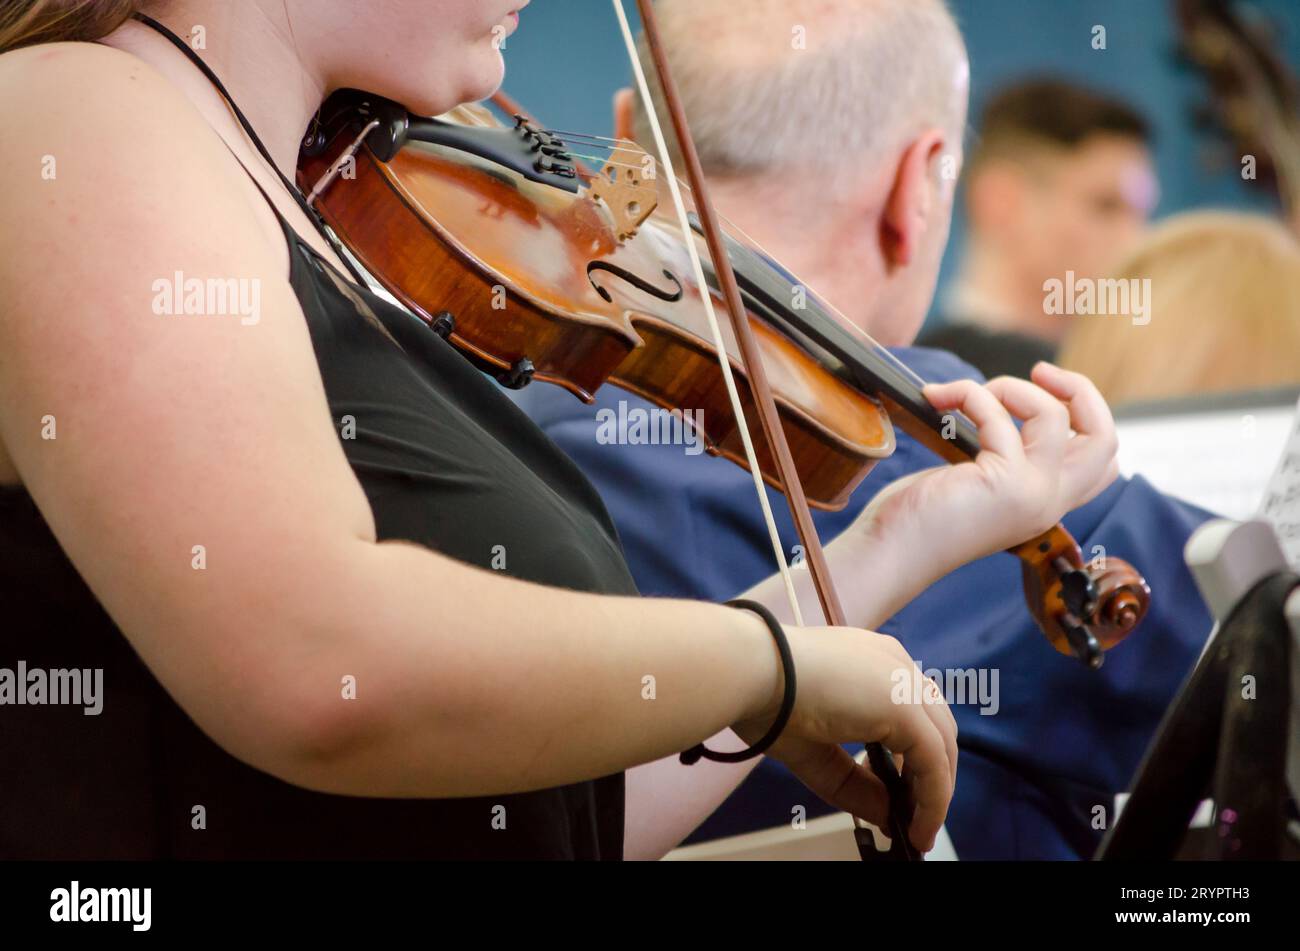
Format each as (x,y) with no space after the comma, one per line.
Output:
(346,600)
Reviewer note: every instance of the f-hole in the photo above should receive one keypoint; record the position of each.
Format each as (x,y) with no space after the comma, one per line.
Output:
(641,284)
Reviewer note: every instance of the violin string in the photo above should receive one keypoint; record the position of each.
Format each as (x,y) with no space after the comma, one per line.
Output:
(595,141)
(835,314)
(719,345)
(605,161)
(588,136)
(832,311)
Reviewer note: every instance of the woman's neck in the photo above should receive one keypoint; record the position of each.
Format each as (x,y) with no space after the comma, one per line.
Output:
(251,49)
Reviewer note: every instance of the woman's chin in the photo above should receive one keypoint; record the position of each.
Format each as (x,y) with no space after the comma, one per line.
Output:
(479,87)
(493,76)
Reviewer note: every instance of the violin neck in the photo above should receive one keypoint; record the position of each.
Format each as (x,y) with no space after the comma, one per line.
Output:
(856,359)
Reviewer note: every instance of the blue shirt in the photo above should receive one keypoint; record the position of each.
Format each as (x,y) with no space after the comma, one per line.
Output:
(1040,766)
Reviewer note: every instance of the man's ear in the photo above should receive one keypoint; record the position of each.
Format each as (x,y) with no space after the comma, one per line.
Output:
(907,209)
(624,110)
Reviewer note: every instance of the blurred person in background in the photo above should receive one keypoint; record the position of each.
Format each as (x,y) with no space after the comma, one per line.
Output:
(1223,307)
(1060,180)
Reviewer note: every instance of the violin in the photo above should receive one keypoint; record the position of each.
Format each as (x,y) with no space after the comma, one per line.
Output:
(538,269)
(541,271)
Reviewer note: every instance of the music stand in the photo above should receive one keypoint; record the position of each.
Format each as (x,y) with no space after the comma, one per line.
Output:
(1234,728)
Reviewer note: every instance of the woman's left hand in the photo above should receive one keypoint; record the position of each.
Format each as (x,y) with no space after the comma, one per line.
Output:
(1022,482)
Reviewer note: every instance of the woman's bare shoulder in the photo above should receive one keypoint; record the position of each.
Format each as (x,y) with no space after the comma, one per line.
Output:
(102,138)
(91,95)
(49,67)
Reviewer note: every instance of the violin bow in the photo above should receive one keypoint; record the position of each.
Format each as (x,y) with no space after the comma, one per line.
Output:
(882,764)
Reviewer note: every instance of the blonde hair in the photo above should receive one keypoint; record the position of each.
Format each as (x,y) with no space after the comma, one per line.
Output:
(1224,313)
(29,22)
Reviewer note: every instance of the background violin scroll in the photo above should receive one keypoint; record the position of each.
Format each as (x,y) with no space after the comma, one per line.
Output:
(1255,95)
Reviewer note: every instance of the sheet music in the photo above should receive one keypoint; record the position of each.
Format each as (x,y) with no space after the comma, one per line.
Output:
(1219,459)
(1281,503)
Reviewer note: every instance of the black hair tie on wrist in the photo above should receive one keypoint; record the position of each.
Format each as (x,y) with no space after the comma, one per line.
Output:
(699,751)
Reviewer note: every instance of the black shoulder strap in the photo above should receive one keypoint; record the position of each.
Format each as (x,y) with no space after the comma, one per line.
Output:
(308,210)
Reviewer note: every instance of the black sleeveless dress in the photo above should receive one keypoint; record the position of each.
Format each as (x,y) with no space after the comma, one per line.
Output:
(446,461)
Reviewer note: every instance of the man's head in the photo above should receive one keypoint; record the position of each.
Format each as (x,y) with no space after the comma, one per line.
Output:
(830,132)
(1060,179)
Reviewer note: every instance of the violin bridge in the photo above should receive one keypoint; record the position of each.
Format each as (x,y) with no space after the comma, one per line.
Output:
(626,186)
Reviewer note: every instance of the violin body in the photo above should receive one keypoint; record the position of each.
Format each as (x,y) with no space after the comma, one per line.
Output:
(515,269)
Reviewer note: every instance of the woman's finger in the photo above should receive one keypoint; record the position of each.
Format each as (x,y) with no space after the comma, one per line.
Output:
(1089,414)
(925,692)
(925,754)
(1046,429)
(997,431)
(837,779)
(936,708)
(1090,455)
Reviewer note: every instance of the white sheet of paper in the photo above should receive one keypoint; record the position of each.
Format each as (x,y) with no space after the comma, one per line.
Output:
(1281,502)
(1219,459)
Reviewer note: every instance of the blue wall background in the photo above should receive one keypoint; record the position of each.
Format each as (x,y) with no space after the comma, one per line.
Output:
(568,59)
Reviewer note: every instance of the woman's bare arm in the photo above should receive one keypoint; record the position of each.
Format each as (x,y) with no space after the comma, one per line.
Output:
(174,432)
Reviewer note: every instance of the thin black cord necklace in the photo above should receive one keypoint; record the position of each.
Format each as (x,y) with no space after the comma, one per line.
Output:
(312,215)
